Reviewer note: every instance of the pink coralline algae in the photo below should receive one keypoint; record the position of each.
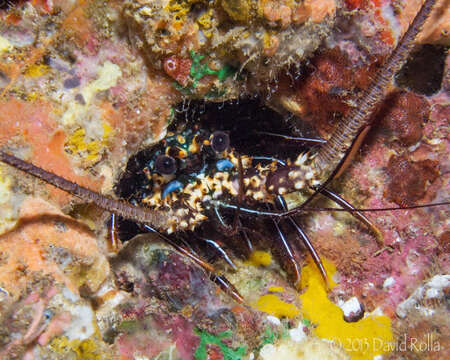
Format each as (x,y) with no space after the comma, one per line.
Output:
(408,180)
(405,115)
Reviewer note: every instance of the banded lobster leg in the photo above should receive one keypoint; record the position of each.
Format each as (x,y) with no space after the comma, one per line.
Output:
(292,262)
(326,192)
(221,281)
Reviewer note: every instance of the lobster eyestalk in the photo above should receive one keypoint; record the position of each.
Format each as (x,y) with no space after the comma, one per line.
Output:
(333,153)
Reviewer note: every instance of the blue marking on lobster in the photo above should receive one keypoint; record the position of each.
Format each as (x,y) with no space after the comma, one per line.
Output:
(171,187)
(224,165)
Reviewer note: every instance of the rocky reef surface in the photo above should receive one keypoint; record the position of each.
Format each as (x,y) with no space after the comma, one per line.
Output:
(85,84)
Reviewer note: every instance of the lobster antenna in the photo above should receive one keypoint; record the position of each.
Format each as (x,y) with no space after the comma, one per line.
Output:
(392,208)
(122,208)
(150,218)
(334,151)
(294,211)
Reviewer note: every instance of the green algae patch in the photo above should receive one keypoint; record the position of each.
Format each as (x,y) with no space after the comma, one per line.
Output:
(201,353)
(199,69)
(273,305)
(270,337)
(363,339)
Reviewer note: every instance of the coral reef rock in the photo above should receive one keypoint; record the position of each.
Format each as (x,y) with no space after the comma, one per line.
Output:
(205,45)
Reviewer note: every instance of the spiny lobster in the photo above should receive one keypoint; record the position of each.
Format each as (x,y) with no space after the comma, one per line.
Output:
(194,174)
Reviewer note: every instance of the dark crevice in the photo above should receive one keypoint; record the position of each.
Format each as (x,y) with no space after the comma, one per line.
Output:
(424,70)
(6,4)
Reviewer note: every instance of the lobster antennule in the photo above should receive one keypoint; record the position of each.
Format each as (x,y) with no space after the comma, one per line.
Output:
(334,151)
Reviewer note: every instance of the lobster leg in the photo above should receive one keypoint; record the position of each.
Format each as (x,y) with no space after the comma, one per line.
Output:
(315,256)
(357,214)
(229,231)
(248,242)
(269,158)
(294,267)
(227,287)
(220,250)
(181,249)
(115,244)
(219,280)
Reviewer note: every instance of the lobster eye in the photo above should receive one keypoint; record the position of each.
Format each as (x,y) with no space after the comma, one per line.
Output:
(220,141)
(165,165)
